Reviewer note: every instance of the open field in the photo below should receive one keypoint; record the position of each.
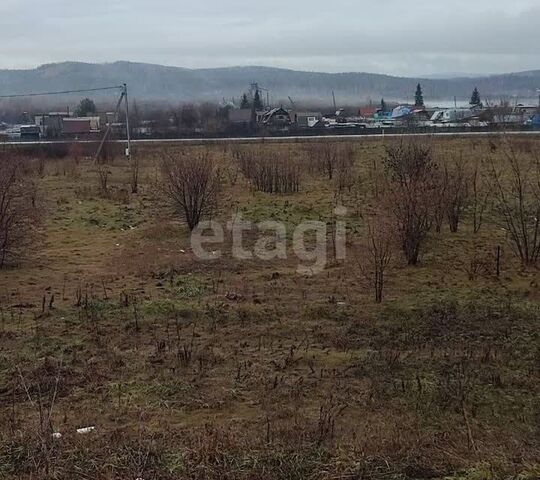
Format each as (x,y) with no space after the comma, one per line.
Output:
(248,369)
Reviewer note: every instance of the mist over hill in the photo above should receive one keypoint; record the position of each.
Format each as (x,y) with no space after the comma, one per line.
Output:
(175,84)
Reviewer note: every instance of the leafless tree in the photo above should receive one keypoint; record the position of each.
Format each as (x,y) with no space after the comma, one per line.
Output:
(377,253)
(457,192)
(481,192)
(344,168)
(327,158)
(412,182)
(191,184)
(517,200)
(440,201)
(19,214)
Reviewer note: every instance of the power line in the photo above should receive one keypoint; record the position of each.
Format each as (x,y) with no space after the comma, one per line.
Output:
(65,92)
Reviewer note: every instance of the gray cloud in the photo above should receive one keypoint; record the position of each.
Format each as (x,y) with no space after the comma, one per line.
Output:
(400,37)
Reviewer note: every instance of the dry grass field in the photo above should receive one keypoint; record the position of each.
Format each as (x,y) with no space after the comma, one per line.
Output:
(247,369)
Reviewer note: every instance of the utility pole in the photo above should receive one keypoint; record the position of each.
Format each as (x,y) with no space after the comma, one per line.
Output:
(334,99)
(133,163)
(128,149)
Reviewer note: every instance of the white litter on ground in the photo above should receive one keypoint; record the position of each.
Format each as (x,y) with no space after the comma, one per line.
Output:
(85,430)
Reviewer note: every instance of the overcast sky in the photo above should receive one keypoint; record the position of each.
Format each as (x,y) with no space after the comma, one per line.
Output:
(397,37)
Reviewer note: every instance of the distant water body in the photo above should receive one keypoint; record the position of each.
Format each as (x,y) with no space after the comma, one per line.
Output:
(492,101)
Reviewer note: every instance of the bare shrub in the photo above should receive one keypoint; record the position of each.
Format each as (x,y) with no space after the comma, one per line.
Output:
(478,265)
(326,156)
(412,183)
(191,184)
(134,170)
(457,386)
(330,158)
(41,392)
(39,165)
(457,192)
(344,175)
(480,195)
(377,253)
(517,200)
(440,201)
(19,215)
(356,194)
(103,172)
(271,171)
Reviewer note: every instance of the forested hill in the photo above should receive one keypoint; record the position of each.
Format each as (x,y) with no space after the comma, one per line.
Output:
(148,81)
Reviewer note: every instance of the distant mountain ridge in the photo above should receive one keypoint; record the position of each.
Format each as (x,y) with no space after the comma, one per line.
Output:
(157,82)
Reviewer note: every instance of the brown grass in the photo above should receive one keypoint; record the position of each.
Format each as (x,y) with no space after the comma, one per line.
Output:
(246,369)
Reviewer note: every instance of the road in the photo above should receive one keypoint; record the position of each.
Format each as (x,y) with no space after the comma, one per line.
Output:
(293,139)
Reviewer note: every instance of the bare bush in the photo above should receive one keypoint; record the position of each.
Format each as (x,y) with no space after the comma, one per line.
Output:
(19,215)
(412,183)
(480,195)
(457,192)
(377,254)
(39,165)
(478,264)
(41,393)
(191,184)
(330,158)
(440,201)
(357,194)
(134,172)
(517,200)
(344,176)
(103,172)
(270,171)
(326,156)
